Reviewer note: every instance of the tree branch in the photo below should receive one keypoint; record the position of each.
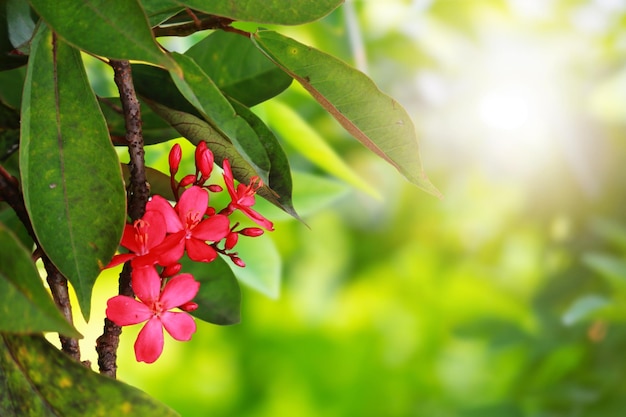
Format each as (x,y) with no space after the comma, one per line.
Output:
(138,195)
(10,193)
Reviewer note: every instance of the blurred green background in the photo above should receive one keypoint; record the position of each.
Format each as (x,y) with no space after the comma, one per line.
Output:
(505,298)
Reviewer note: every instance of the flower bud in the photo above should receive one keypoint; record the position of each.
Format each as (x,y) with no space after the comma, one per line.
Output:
(204,160)
(237,261)
(231,240)
(189,306)
(251,231)
(215,188)
(171,270)
(187,180)
(174,158)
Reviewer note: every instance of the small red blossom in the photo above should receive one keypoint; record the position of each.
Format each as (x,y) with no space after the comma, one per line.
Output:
(242,198)
(153,307)
(140,238)
(188,228)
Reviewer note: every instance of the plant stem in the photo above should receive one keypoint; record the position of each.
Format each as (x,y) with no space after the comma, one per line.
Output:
(10,192)
(138,195)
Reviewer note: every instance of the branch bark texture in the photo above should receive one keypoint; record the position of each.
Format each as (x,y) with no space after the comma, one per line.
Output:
(138,194)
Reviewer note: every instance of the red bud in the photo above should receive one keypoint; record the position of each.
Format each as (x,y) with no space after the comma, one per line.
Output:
(174,158)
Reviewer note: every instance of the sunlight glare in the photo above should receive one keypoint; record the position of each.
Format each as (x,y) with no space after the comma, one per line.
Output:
(505,110)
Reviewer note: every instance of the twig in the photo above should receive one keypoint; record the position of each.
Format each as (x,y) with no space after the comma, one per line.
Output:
(138,194)
(9,190)
(189,28)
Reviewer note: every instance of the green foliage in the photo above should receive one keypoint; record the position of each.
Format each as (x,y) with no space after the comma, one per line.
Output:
(68,185)
(73,193)
(26,306)
(372,117)
(39,380)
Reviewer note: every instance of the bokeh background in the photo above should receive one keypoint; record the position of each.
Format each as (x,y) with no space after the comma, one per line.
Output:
(505,298)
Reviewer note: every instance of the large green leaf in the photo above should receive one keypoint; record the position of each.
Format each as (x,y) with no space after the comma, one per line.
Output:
(239,69)
(263,271)
(280,172)
(25,305)
(375,119)
(39,380)
(280,12)
(298,133)
(196,129)
(219,298)
(206,97)
(71,177)
(116,29)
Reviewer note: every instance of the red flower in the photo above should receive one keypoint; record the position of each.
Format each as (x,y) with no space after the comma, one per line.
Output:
(140,238)
(242,198)
(189,229)
(153,306)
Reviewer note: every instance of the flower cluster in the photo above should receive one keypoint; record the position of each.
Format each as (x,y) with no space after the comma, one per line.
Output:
(158,241)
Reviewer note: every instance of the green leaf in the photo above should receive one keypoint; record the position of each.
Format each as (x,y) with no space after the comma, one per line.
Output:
(613,269)
(207,98)
(263,270)
(584,308)
(116,29)
(195,130)
(239,69)
(21,24)
(39,380)
(372,117)
(294,130)
(219,298)
(311,193)
(280,172)
(9,59)
(25,305)
(159,11)
(11,85)
(71,178)
(280,12)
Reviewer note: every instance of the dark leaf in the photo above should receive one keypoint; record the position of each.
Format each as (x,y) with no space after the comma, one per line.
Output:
(219,298)
(26,306)
(39,380)
(372,117)
(280,12)
(239,69)
(207,99)
(71,178)
(116,29)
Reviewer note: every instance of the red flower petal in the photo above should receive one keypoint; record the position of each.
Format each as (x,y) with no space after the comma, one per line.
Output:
(229,179)
(199,250)
(156,228)
(257,217)
(146,284)
(178,291)
(124,311)
(149,343)
(128,239)
(171,250)
(192,204)
(214,228)
(120,259)
(181,326)
(160,204)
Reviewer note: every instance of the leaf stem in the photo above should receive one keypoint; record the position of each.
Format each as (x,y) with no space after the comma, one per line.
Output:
(138,195)
(10,193)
